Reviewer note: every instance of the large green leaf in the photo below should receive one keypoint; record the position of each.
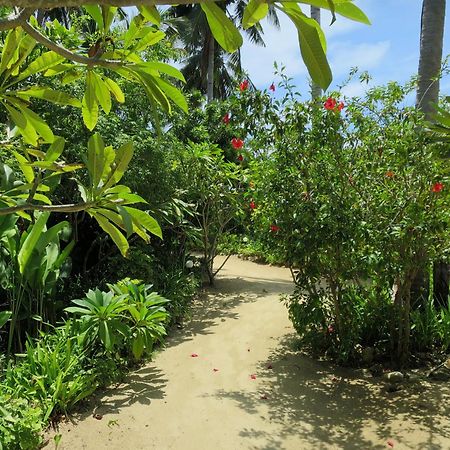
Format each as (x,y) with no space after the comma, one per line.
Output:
(101,92)
(173,93)
(118,238)
(89,106)
(143,219)
(40,64)
(255,11)
(56,149)
(31,240)
(115,90)
(345,8)
(161,67)
(58,97)
(151,37)
(222,28)
(150,13)
(122,159)
(9,48)
(96,159)
(96,13)
(311,46)
(4,317)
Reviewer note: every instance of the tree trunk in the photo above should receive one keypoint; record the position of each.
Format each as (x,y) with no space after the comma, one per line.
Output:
(210,73)
(431,43)
(316,90)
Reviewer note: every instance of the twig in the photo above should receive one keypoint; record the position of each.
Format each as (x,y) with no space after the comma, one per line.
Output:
(68,208)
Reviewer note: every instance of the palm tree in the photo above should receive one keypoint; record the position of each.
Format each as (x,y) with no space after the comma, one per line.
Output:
(207,62)
(431,43)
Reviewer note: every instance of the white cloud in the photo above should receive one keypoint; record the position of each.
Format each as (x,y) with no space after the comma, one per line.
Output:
(345,55)
(282,47)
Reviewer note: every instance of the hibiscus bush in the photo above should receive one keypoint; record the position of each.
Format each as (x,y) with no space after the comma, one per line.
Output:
(354,198)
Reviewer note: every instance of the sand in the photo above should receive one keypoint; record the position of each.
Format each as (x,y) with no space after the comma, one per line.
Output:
(249,388)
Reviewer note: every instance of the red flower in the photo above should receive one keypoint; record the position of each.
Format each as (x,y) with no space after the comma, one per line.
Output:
(389,174)
(274,228)
(237,143)
(252,205)
(272,87)
(330,329)
(253,376)
(330,104)
(437,187)
(194,355)
(340,107)
(226,119)
(390,442)
(244,85)
(240,158)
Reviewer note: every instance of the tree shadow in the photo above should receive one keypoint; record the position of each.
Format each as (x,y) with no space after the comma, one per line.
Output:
(332,407)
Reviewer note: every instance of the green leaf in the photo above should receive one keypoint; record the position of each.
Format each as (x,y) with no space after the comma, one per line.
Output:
(255,11)
(345,8)
(56,149)
(9,48)
(114,89)
(27,170)
(118,238)
(108,13)
(4,317)
(145,220)
(161,67)
(152,89)
(89,106)
(38,124)
(41,63)
(122,159)
(96,159)
(31,240)
(150,38)
(28,132)
(58,97)
(150,13)
(310,45)
(173,93)
(222,28)
(138,346)
(105,335)
(101,92)
(96,13)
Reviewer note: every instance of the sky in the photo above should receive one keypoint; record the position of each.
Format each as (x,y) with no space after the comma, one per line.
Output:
(388,48)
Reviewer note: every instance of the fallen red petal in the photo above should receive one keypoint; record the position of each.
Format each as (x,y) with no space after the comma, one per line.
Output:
(215,370)
(253,376)
(194,355)
(390,442)
(270,366)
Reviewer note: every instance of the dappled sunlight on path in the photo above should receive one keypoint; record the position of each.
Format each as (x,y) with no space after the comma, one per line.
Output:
(233,379)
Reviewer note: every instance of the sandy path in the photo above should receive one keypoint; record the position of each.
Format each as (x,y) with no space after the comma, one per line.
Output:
(240,328)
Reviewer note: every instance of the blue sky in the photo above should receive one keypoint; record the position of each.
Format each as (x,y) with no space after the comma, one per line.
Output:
(388,49)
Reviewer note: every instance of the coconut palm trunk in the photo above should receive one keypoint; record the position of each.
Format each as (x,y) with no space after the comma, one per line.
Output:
(210,71)
(316,90)
(431,43)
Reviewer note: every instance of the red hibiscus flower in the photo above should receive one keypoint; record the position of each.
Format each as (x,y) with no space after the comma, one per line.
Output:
(237,143)
(272,87)
(252,205)
(243,86)
(340,107)
(389,174)
(330,104)
(240,158)
(226,119)
(253,376)
(274,228)
(437,187)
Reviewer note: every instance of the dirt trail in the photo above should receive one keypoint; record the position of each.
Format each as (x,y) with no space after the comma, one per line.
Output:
(263,395)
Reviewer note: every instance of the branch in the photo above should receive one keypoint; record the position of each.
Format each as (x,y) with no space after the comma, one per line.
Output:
(68,208)
(16,19)
(44,40)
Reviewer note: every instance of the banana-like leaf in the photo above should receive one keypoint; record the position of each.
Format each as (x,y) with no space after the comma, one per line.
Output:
(255,11)
(31,240)
(222,28)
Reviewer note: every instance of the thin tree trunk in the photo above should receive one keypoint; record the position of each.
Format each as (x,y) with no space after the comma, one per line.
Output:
(431,43)
(316,90)
(210,73)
